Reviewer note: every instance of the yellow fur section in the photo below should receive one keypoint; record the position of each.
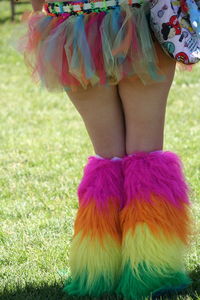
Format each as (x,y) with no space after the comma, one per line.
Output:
(144,247)
(89,256)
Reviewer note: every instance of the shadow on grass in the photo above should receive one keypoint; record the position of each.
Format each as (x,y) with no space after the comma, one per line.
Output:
(195,288)
(4,20)
(55,292)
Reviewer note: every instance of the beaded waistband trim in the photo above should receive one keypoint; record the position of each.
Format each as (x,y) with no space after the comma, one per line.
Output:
(84,7)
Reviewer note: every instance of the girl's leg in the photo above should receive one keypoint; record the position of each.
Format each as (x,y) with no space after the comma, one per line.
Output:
(101,111)
(144,108)
(95,256)
(154,218)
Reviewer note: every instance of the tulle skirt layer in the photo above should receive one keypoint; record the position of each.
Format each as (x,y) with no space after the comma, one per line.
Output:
(98,48)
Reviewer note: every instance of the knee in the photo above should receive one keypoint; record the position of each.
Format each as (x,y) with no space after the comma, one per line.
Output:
(143,147)
(145,140)
(110,153)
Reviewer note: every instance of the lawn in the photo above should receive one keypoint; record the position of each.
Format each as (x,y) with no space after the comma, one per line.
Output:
(43,148)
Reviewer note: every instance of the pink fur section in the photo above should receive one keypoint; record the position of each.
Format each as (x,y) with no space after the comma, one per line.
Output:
(102,179)
(157,172)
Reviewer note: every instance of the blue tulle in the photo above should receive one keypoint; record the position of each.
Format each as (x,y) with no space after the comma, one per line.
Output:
(116,19)
(80,42)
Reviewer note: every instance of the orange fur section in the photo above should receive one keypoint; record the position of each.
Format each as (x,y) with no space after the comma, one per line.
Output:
(158,215)
(97,223)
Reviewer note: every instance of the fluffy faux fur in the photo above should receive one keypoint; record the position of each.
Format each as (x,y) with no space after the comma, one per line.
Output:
(102,179)
(95,256)
(158,173)
(155,223)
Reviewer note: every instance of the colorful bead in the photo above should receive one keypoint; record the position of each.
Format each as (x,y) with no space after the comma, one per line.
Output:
(84,7)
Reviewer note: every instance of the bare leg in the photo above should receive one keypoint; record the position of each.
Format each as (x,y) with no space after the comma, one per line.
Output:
(101,111)
(144,108)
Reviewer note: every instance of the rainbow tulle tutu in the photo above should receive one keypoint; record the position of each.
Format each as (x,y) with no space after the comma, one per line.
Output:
(77,44)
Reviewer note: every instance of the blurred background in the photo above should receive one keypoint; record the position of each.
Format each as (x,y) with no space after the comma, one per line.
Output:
(43,147)
(11,10)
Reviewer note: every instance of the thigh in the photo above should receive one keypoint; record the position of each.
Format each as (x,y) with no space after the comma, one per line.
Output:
(102,113)
(144,108)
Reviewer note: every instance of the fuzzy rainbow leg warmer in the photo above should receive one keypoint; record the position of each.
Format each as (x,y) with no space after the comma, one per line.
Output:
(155,223)
(95,255)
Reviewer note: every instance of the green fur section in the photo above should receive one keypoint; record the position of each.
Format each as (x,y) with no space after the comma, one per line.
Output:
(147,280)
(168,292)
(79,286)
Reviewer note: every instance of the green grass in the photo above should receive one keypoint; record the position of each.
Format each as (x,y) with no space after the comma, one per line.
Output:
(43,147)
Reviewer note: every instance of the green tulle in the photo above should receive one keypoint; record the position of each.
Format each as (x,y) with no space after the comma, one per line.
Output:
(150,281)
